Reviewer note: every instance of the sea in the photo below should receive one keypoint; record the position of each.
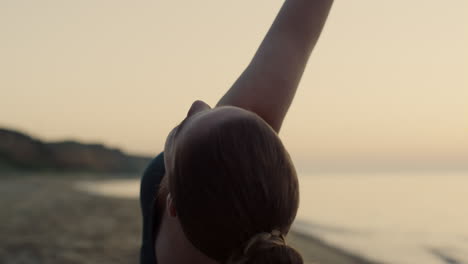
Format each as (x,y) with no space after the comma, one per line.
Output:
(392,217)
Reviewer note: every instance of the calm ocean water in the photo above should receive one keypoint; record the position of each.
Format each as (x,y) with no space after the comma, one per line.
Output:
(401,218)
(394,218)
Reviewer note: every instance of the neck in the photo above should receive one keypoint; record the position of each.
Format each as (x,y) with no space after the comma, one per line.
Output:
(172,246)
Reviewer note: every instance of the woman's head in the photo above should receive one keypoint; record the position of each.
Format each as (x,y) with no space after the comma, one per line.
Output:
(230,179)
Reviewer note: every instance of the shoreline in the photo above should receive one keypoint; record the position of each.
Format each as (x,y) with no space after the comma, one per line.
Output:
(48,220)
(315,250)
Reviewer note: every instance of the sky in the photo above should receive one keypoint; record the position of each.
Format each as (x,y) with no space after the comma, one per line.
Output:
(386,84)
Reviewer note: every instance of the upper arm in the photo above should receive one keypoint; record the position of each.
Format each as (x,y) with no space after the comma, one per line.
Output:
(261,97)
(268,85)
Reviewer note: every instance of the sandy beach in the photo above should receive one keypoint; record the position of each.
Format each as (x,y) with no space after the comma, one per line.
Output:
(46,220)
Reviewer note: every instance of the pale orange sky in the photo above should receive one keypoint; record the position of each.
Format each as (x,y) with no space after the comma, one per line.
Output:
(387,81)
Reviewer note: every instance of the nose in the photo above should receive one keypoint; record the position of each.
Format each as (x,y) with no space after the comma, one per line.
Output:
(198,106)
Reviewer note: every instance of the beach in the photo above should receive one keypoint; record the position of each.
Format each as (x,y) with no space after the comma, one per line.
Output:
(46,218)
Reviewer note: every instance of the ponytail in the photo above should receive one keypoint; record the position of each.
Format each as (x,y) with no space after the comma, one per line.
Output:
(266,248)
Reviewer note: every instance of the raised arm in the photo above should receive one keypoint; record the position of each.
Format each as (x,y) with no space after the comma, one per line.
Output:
(268,84)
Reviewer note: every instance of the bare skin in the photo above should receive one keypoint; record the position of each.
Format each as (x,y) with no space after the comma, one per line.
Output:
(266,88)
(269,83)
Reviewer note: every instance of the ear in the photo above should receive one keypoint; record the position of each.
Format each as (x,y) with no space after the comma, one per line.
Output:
(171,211)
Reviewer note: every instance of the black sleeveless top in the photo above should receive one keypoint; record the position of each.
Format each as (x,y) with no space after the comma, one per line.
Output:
(148,190)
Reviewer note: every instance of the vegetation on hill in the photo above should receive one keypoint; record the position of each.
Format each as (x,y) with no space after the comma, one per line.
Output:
(20,151)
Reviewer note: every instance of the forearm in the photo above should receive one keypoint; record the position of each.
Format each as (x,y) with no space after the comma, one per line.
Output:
(269,83)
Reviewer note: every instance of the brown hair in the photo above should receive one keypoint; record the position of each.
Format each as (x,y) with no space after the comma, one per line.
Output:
(231,184)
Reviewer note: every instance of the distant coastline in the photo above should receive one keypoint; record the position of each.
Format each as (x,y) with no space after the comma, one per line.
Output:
(19,151)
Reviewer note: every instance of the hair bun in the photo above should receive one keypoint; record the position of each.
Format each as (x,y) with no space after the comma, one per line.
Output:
(267,248)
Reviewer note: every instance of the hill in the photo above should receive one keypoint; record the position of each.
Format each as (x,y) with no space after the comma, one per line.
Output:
(21,151)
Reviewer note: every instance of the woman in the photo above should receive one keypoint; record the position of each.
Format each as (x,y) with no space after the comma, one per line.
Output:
(225,190)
